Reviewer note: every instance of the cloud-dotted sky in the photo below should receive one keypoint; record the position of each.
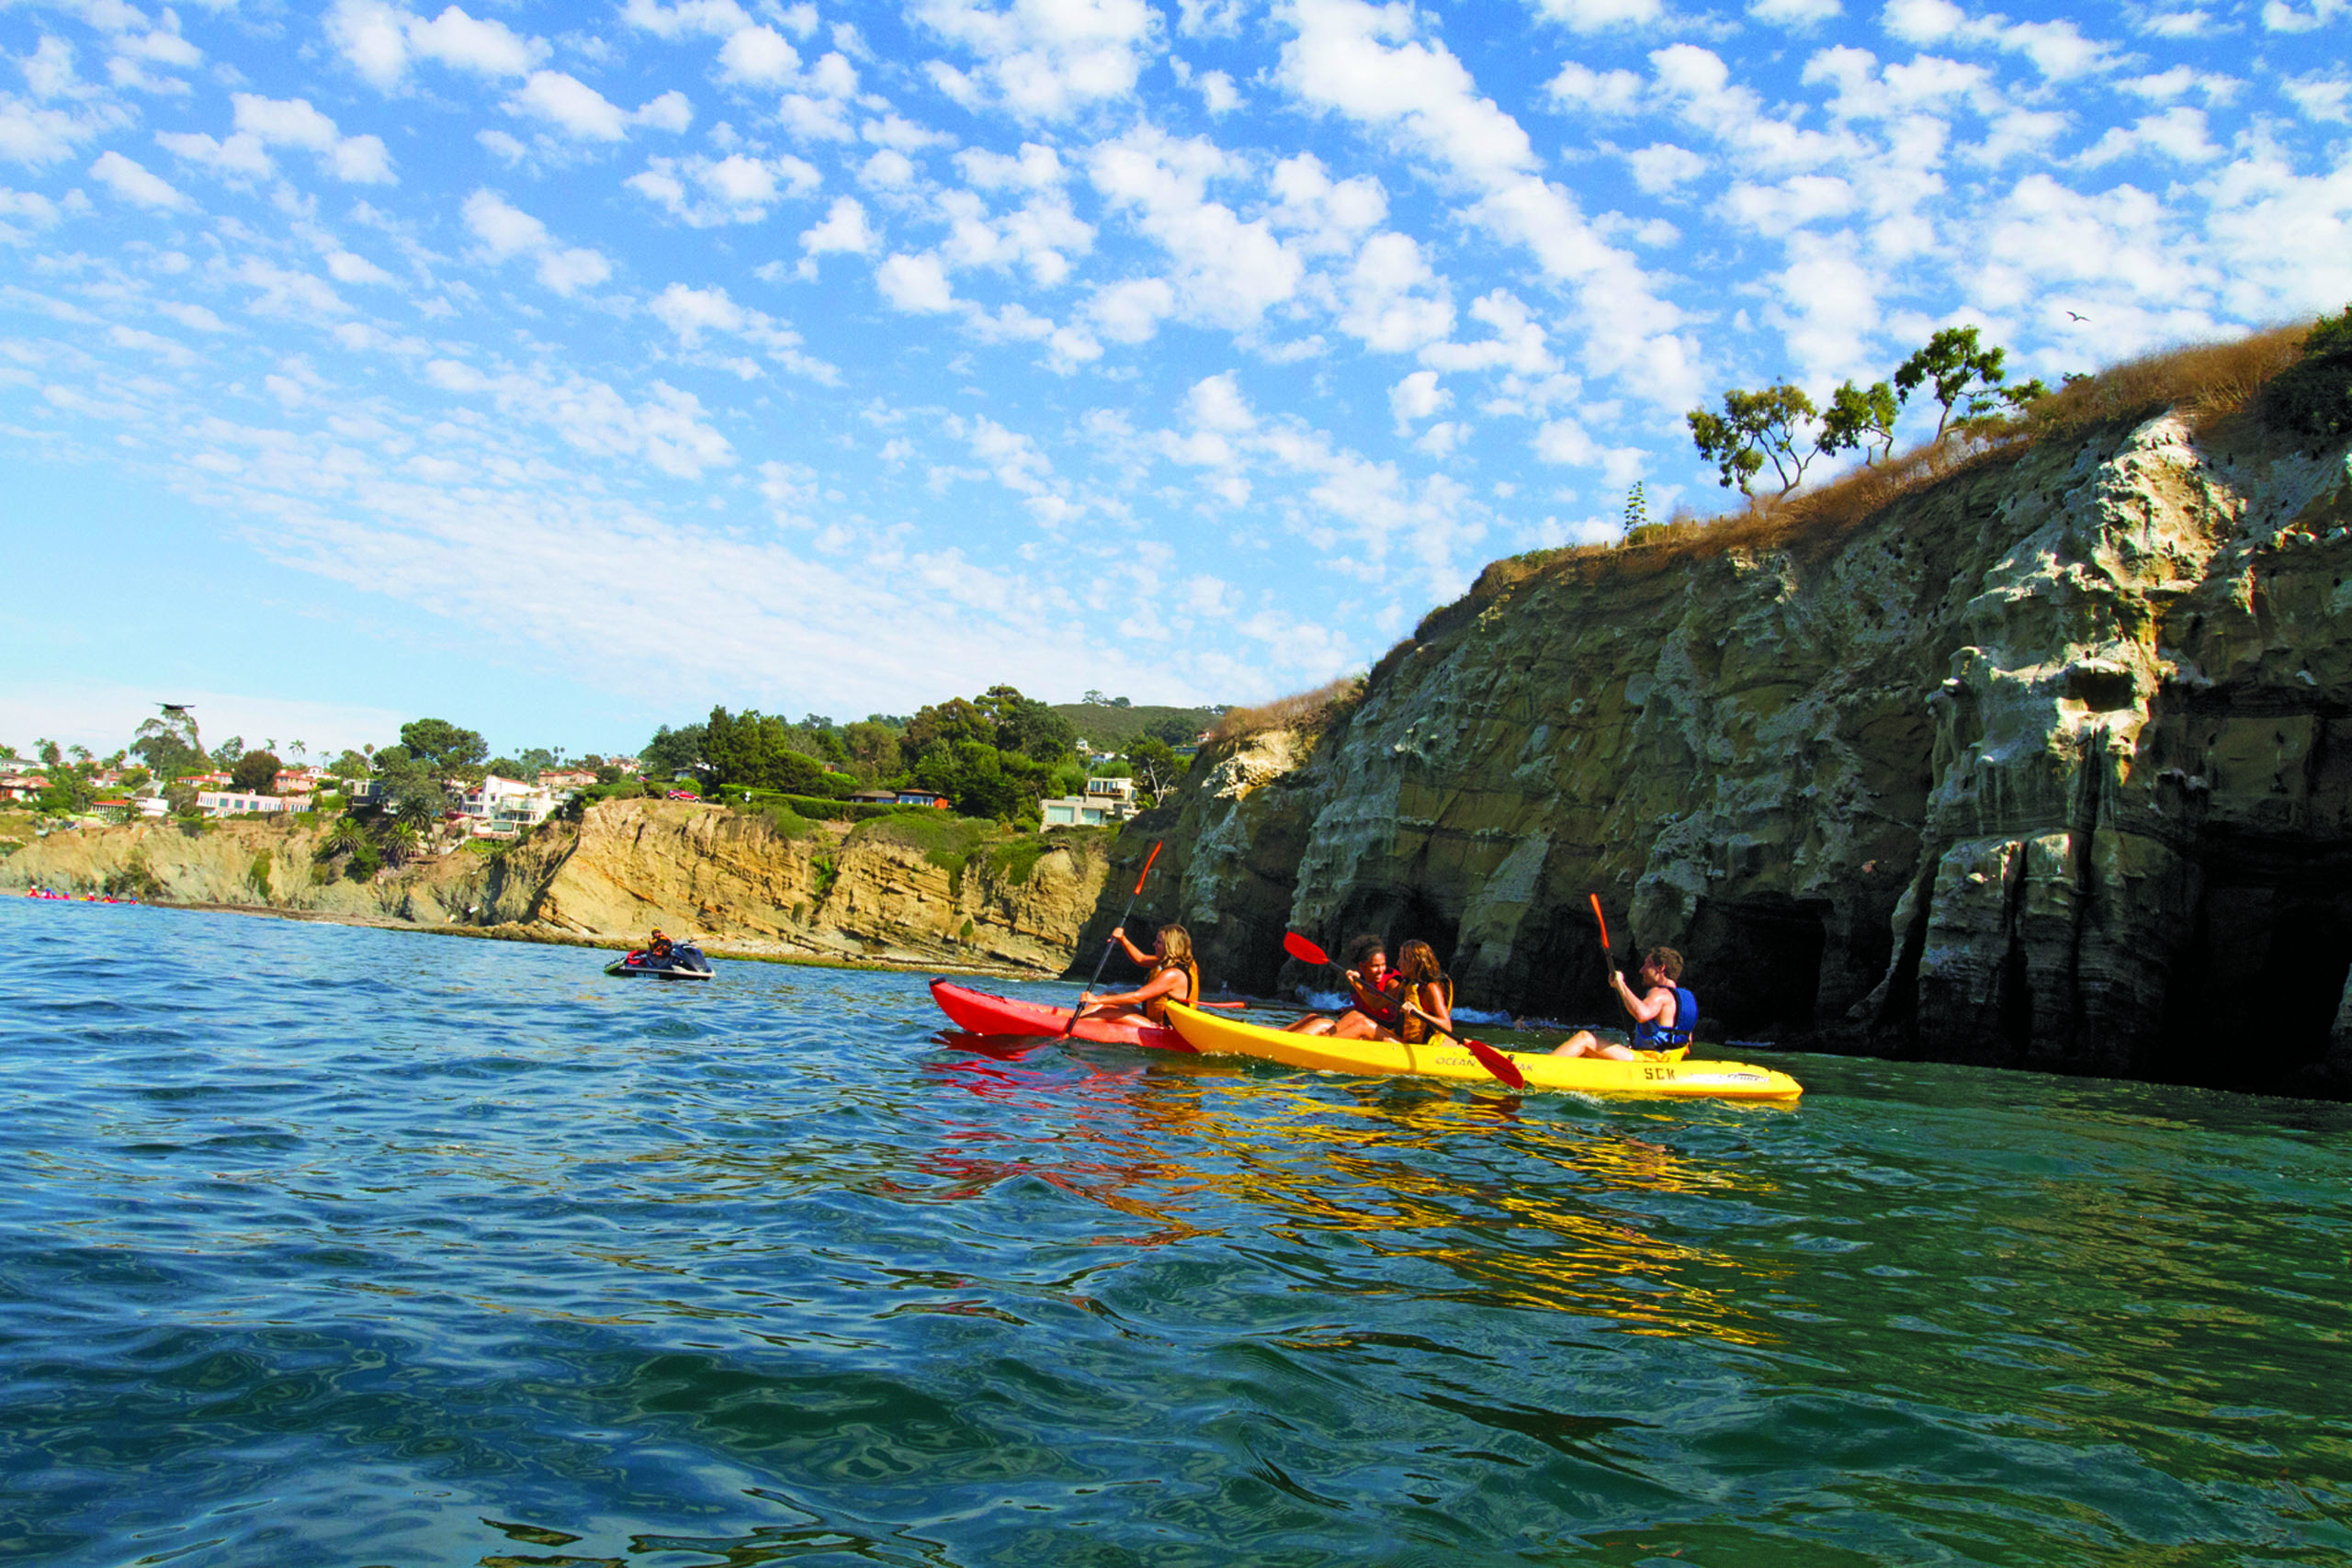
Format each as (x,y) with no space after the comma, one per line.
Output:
(838,358)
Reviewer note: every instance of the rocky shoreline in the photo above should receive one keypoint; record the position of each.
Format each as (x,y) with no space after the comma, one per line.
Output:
(829,894)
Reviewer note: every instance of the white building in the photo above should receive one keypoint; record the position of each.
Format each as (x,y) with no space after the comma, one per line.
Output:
(1105,801)
(237,803)
(501,808)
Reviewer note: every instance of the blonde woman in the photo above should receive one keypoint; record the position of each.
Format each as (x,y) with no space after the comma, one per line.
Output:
(1428,1008)
(1174,977)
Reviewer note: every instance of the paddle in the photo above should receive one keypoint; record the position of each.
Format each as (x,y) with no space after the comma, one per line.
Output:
(1105,961)
(1486,1056)
(1605,946)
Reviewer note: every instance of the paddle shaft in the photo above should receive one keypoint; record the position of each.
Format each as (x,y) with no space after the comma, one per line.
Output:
(1103,963)
(1486,1056)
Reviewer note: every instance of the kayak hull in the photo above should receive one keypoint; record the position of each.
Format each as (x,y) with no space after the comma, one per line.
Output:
(672,971)
(981,1012)
(1445,1058)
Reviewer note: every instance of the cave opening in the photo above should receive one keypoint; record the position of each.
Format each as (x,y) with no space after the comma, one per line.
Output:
(2254,997)
(1756,965)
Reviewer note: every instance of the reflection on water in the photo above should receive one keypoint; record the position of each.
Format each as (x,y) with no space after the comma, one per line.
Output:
(356,1246)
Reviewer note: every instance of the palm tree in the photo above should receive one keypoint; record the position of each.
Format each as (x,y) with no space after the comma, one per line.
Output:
(399,844)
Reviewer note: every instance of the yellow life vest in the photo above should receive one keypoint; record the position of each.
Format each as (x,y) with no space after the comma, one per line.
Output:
(1411,1027)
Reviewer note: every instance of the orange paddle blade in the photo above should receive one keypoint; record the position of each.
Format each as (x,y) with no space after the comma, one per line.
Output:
(1601,918)
(1305,952)
(1147,867)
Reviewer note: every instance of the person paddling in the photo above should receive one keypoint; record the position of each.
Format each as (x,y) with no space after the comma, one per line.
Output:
(1664,1014)
(1428,1003)
(1174,977)
(1377,991)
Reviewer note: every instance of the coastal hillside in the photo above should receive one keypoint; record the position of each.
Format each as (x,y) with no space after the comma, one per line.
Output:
(932,892)
(2036,759)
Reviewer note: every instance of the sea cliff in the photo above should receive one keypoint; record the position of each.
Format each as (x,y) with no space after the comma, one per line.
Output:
(2041,765)
(627,865)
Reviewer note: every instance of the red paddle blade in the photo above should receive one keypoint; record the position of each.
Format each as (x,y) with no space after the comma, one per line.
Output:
(1147,867)
(1601,918)
(1305,952)
(1495,1062)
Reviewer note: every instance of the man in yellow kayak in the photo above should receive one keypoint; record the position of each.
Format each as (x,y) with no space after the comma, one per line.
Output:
(1664,1014)
(1174,976)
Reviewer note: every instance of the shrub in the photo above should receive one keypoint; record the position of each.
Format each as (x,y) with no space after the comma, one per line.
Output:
(1303,711)
(2313,396)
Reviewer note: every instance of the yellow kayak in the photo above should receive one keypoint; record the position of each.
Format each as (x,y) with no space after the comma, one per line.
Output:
(1666,1073)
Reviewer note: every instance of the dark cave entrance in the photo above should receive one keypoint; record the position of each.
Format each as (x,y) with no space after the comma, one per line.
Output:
(2254,997)
(1755,966)
(1397,918)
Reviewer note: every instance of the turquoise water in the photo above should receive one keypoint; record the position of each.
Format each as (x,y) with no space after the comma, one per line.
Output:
(333,1245)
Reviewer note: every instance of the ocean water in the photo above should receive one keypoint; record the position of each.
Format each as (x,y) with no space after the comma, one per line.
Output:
(335,1245)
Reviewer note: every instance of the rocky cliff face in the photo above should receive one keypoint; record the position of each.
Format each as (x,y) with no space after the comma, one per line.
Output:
(626,867)
(2045,766)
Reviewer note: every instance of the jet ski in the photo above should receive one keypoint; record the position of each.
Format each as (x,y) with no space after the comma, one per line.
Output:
(683,962)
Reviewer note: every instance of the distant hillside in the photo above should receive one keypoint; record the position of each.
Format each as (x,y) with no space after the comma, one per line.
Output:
(1110,729)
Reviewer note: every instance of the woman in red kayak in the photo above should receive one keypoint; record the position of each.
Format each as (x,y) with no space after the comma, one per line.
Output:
(1174,976)
(1377,990)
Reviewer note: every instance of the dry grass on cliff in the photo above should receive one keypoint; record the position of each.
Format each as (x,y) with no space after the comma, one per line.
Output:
(2205,381)
(1305,711)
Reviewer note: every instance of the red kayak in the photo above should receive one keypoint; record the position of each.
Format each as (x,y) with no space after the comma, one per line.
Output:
(978,1012)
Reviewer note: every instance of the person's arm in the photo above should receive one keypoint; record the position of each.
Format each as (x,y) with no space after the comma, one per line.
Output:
(1643,1009)
(1165,983)
(1431,1001)
(1135,954)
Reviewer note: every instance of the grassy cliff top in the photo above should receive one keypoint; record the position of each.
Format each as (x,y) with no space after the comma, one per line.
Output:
(1109,730)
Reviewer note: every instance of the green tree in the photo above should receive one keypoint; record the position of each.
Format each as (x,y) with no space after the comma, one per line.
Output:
(1157,768)
(1637,508)
(225,755)
(873,748)
(1966,377)
(1772,426)
(1860,419)
(672,751)
(351,765)
(536,759)
(255,773)
(170,746)
(445,750)
(945,724)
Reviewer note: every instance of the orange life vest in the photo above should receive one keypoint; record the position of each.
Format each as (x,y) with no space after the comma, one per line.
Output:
(1155,1010)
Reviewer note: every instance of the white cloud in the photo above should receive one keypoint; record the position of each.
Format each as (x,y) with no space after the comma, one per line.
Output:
(917,283)
(1367,65)
(738,188)
(1598,16)
(1131,312)
(1416,397)
(844,230)
(131,182)
(2280,17)
(2178,134)
(504,230)
(1042,59)
(380,40)
(1224,272)
(2058,50)
(2319,97)
(570,105)
(1215,403)
(758,57)
(1393,301)
(1799,14)
(1661,166)
(1607,93)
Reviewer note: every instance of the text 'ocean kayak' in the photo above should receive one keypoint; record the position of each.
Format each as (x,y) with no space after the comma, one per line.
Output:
(1444,1058)
(978,1012)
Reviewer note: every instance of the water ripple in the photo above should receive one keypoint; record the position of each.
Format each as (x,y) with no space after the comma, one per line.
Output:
(338,1245)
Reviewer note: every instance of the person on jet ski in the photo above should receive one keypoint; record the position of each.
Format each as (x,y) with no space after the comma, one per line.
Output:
(657,950)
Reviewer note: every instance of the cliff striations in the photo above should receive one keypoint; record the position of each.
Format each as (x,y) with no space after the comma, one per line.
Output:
(2043,766)
(627,866)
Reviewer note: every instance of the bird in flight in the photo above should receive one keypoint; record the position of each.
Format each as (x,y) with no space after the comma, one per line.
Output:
(2078,315)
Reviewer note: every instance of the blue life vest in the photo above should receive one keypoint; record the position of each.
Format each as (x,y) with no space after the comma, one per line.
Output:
(1650,1035)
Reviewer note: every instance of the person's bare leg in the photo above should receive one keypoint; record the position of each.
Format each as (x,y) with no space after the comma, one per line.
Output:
(1313,1023)
(1584,1043)
(1354,1026)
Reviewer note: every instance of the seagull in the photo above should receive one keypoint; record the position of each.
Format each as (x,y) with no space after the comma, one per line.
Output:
(176,707)
(2078,316)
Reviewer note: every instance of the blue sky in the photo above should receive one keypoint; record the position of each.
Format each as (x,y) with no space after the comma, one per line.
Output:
(561,369)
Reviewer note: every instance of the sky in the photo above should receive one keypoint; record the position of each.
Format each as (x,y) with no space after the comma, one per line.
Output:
(562,370)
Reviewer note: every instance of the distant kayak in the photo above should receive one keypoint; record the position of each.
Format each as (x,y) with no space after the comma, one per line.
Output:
(1663,1073)
(979,1013)
(685,963)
